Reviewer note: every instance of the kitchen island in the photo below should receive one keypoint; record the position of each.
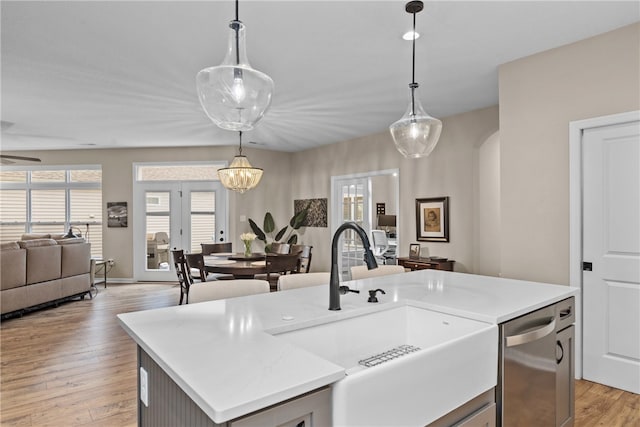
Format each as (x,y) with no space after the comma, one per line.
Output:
(227,358)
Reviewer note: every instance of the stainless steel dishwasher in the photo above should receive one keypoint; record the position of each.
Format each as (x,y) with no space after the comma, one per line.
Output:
(536,368)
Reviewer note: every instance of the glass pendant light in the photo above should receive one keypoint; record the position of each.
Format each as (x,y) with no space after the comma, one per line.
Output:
(416,133)
(234,95)
(240,176)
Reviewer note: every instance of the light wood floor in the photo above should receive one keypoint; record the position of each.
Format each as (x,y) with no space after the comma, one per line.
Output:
(74,365)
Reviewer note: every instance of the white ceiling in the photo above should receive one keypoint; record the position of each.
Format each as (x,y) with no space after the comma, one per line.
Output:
(85,74)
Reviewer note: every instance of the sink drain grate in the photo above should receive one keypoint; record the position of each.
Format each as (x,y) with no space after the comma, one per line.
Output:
(394,353)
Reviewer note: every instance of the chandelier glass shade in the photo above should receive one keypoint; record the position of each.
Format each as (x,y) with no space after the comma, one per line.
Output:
(416,134)
(234,95)
(240,176)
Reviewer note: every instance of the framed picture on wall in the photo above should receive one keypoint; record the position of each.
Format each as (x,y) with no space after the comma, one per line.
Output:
(117,214)
(414,250)
(432,219)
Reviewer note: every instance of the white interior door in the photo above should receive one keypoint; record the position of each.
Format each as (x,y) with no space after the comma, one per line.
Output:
(611,251)
(175,215)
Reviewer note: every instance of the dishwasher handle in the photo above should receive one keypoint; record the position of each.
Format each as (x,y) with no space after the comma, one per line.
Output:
(531,336)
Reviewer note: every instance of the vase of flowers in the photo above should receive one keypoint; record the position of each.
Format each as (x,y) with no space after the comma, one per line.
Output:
(247,239)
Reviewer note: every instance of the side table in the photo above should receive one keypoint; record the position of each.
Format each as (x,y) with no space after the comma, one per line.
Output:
(101,267)
(434,263)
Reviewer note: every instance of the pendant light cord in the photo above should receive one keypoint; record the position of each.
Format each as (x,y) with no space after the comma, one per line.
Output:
(413,56)
(237,28)
(413,84)
(240,150)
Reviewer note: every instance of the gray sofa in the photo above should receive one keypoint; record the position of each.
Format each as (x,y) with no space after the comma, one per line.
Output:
(40,271)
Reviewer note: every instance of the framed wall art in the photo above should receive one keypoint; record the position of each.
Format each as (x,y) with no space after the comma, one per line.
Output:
(317,216)
(432,219)
(117,214)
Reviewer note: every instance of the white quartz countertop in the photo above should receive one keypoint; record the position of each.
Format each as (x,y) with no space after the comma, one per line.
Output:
(222,353)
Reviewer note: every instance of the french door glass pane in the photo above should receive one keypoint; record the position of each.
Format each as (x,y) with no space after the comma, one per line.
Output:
(203,218)
(48,206)
(208,172)
(158,219)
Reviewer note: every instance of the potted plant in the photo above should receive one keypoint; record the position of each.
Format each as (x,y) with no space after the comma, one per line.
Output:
(286,234)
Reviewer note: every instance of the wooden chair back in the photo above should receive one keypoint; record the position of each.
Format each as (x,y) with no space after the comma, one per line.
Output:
(183,273)
(195,262)
(215,248)
(280,248)
(281,264)
(305,256)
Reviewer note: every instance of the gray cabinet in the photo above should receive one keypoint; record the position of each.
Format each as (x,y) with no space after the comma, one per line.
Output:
(309,410)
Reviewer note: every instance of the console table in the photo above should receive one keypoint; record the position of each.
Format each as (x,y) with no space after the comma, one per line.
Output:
(100,264)
(425,263)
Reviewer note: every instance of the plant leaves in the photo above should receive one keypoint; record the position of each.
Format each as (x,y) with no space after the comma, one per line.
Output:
(256,230)
(269,224)
(281,233)
(298,219)
(293,239)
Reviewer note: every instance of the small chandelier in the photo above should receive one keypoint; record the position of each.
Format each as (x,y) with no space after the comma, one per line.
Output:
(416,133)
(234,95)
(240,176)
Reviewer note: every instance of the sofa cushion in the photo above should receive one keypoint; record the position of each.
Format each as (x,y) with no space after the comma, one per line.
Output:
(34,243)
(71,241)
(13,267)
(9,246)
(32,236)
(76,258)
(43,263)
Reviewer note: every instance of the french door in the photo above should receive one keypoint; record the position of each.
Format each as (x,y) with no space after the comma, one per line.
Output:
(351,203)
(175,214)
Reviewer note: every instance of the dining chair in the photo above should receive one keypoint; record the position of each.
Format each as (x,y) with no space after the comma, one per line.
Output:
(198,269)
(280,248)
(228,289)
(281,264)
(195,262)
(294,281)
(216,248)
(305,257)
(184,275)
(361,271)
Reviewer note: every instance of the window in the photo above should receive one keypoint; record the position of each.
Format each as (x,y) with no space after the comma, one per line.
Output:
(50,200)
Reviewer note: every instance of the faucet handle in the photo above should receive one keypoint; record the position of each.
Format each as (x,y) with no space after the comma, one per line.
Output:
(344,289)
(372,295)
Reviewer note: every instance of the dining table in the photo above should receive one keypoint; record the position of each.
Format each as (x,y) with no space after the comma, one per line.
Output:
(239,265)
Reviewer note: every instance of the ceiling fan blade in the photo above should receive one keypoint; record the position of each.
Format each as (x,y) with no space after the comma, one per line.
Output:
(27,159)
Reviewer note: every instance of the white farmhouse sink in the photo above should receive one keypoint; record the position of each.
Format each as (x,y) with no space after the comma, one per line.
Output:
(453,360)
